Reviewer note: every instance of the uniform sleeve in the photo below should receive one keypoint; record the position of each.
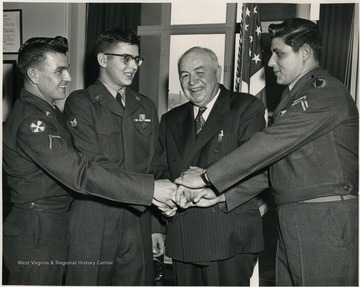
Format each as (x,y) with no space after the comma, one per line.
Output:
(315,113)
(161,168)
(251,122)
(40,139)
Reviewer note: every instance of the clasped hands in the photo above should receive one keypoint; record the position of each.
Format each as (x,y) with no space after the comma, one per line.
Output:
(188,191)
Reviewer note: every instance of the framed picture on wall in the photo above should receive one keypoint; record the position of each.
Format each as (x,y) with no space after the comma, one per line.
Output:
(9,87)
(12,31)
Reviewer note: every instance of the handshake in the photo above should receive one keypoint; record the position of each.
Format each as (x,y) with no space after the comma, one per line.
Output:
(188,190)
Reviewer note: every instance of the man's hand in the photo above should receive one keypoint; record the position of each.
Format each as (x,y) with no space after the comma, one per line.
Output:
(203,202)
(186,197)
(165,209)
(158,244)
(164,193)
(191,178)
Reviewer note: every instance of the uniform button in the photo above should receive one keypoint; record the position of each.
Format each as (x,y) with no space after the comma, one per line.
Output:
(216,150)
(174,158)
(31,205)
(213,209)
(346,187)
(97,97)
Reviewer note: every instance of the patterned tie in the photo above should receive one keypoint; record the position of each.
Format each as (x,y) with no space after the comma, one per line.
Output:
(199,120)
(120,97)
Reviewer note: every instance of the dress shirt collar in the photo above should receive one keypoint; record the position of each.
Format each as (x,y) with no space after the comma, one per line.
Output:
(209,107)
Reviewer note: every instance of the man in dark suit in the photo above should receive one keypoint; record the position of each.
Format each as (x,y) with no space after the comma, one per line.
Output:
(216,244)
(117,128)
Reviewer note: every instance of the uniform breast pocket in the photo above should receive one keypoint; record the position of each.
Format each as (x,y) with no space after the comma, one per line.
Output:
(111,140)
(143,127)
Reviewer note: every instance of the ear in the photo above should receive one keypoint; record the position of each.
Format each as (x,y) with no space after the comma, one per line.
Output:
(218,73)
(102,60)
(32,75)
(306,52)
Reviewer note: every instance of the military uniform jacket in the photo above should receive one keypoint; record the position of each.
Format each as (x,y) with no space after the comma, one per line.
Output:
(312,146)
(217,232)
(115,138)
(41,164)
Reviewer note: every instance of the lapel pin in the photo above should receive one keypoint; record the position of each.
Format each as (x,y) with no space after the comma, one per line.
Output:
(221,135)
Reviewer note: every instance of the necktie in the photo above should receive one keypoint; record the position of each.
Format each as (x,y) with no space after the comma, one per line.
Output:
(120,97)
(199,120)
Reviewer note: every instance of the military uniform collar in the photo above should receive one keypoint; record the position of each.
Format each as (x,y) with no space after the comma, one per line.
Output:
(39,103)
(305,77)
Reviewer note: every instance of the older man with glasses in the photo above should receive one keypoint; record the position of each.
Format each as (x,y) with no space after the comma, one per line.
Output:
(116,127)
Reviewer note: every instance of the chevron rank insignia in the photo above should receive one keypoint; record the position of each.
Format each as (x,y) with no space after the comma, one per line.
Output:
(319,83)
(37,126)
(303,102)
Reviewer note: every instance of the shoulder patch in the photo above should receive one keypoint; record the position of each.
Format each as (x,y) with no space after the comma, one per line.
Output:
(37,126)
(319,83)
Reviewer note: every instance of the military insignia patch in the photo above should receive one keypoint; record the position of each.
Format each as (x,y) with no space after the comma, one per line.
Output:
(303,102)
(73,122)
(319,83)
(37,126)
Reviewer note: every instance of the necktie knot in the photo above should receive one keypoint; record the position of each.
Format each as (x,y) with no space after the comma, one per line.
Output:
(199,120)
(120,97)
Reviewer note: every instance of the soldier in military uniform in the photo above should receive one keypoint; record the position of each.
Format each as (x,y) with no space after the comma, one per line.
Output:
(42,167)
(312,151)
(117,128)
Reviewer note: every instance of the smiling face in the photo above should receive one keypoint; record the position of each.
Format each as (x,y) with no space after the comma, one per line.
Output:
(52,77)
(287,64)
(199,77)
(113,70)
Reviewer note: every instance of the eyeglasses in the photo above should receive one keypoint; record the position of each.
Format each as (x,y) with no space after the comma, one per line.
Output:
(126,58)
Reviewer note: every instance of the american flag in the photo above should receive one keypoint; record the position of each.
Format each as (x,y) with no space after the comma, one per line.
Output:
(250,71)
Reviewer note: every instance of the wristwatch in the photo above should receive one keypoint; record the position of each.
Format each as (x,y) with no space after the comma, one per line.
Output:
(205,178)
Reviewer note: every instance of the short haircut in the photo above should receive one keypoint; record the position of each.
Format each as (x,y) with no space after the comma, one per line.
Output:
(34,51)
(296,32)
(211,54)
(111,38)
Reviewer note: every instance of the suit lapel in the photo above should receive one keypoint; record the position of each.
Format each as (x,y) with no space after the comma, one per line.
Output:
(212,126)
(183,130)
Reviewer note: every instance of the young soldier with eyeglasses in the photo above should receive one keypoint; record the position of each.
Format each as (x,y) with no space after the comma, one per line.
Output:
(116,127)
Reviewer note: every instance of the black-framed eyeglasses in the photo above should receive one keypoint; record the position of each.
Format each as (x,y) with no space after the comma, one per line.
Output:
(127,58)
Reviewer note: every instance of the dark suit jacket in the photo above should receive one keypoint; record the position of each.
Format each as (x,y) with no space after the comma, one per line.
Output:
(213,233)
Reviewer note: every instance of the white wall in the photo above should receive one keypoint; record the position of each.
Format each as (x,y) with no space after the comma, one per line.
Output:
(56,19)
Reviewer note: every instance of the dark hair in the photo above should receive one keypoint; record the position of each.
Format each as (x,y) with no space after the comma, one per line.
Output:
(296,32)
(109,39)
(34,50)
